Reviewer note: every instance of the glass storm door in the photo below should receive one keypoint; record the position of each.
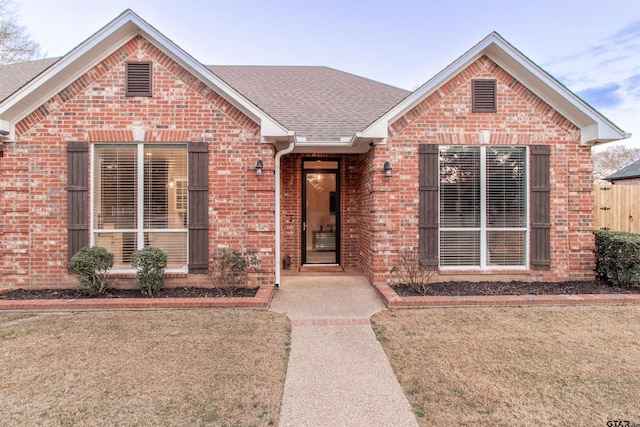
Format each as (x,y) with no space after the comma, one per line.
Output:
(320,212)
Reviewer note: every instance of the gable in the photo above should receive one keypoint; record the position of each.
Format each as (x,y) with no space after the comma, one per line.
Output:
(450,109)
(99,98)
(70,68)
(594,127)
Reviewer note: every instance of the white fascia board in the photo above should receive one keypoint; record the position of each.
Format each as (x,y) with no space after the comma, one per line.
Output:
(355,144)
(331,147)
(528,73)
(103,43)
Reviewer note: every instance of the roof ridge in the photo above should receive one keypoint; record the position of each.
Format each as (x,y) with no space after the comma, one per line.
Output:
(316,67)
(368,79)
(266,66)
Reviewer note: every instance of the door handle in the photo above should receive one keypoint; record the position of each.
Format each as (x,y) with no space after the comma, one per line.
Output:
(304,226)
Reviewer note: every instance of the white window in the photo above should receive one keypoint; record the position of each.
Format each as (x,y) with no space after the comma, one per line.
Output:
(136,200)
(483,207)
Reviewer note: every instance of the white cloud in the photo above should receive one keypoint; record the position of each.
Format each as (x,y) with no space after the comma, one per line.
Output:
(607,76)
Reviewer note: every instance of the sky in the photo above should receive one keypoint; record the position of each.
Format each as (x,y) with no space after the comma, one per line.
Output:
(591,46)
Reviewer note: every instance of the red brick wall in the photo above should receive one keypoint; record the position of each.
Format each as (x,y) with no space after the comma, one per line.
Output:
(291,209)
(445,118)
(93,108)
(365,195)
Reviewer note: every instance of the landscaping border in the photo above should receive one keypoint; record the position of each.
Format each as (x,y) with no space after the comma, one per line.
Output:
(392,300)
(261,300)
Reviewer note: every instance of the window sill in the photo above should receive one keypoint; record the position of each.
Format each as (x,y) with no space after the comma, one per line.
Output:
(509,273)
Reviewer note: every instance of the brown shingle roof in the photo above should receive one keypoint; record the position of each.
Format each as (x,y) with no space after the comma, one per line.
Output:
(318,103)
(14,76)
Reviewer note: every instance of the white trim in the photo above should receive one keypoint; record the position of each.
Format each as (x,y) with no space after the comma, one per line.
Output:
(594,127)
(91,194)
(140,197)
(483,205)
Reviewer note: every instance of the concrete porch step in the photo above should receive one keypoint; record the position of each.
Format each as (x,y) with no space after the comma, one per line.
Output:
(321,269)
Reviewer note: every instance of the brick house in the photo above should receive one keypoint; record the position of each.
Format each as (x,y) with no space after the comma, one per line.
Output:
(128,141)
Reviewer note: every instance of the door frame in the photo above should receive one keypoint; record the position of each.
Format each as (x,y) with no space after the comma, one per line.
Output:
(303,234)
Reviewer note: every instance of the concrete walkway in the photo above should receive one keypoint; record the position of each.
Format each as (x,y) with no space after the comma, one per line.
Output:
(338,374)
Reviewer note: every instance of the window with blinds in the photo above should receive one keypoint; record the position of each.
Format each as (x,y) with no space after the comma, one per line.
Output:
(137,203)
(483,206)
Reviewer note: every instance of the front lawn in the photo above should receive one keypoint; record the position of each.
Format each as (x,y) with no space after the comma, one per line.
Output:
(516,365)
(169,367)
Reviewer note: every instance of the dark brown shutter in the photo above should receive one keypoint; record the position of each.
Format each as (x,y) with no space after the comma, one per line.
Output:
(198,207)
(77,197)
(540,182)
(483,96)
(138,79)
(428,213)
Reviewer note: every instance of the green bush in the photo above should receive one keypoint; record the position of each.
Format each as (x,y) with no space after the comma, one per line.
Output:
(92,265)
(618,258)
(150,263)
(233,269)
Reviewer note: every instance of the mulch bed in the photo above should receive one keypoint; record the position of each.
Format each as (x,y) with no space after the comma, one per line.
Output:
(435,289)
(516,288)
(24,294)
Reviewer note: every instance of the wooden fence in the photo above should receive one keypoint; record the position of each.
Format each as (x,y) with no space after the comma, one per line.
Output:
(617,207)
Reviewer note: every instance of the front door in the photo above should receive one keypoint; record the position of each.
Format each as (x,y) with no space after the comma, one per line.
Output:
(321,211)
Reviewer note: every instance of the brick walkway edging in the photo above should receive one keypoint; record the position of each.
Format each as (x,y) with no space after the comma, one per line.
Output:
(393,300)
(261,300)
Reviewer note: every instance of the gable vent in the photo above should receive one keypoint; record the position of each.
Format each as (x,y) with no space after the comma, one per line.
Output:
(138,79)
(483,96)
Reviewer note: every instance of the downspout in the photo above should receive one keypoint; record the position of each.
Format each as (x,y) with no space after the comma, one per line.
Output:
(279,154)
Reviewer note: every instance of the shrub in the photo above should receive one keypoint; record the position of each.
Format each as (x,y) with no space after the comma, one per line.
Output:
(618,257)
(233,269)
(92,265)
(150,263)
(414,270)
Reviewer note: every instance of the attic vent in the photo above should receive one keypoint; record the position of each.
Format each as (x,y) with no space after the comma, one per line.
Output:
(138,76)
(483,96)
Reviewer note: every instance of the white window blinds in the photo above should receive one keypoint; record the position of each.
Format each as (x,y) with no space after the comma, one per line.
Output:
(460,210)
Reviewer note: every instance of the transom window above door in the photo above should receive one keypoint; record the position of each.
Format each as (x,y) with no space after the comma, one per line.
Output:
(140,199)
(320,164)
